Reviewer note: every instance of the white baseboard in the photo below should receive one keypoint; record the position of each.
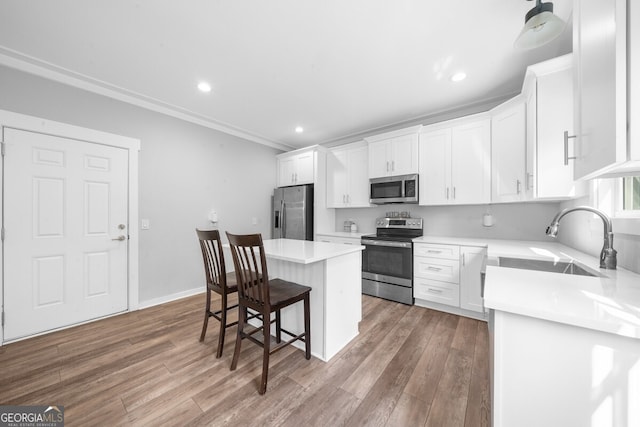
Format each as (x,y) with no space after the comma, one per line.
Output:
(169,298)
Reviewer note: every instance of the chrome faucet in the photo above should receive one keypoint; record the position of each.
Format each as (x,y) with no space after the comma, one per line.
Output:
(608,254)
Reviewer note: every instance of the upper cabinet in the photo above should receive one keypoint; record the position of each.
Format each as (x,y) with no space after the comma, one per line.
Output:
(296,167)
(605,47)
(347,176)
(508,151)
(548,94)
(394,153)
(455,162)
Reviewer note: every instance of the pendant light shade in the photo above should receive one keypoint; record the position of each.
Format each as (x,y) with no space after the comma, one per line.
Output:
(541,26)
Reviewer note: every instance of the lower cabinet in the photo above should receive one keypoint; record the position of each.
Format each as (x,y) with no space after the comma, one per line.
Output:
(447,278)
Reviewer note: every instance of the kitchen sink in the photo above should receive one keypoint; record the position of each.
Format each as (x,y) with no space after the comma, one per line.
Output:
(562,267)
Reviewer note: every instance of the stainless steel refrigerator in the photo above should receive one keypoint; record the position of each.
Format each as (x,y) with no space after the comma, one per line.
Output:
(292,213)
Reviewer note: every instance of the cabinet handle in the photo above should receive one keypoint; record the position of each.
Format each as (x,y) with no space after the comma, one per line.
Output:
(434,291)
(431,251)
(528,178)
(343,199)
(454,193)
(463,260)
(517,186)
(393,165)
(347,198)
(566,147)
(447,193)
(434,268)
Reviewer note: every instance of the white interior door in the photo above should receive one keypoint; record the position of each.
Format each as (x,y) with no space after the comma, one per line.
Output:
(66,232)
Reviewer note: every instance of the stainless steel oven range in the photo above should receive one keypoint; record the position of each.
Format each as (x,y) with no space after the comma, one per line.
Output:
(387,261)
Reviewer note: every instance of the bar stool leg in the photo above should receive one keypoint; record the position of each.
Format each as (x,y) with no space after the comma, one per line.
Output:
(266,336)
(236,353)
(307,328)
(223,326)
(278,327)
(207,310)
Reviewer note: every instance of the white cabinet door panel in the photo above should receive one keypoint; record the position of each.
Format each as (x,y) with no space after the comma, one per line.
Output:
(508,154)
(471,163)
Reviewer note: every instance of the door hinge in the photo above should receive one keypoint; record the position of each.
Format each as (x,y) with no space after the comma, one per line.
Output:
(2,149)
(3,318)
(2,234)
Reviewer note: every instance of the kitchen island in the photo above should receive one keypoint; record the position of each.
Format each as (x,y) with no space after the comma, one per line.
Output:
(333,271)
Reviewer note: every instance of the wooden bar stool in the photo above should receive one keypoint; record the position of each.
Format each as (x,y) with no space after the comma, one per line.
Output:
(218,281)
(257,292)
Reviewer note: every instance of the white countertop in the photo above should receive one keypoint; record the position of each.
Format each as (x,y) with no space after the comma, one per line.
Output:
(347,234)
(305,251)
(610,303)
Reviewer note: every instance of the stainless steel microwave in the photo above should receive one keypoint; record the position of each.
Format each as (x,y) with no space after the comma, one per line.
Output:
(394,189)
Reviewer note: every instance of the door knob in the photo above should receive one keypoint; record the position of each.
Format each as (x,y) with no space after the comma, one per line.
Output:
(120,238)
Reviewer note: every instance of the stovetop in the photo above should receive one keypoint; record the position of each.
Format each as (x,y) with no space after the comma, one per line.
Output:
(396,229)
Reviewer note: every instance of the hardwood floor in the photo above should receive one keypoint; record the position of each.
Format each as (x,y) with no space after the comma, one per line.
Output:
(409,366)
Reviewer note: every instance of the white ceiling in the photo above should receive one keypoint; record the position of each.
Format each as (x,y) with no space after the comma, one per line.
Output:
(339,68)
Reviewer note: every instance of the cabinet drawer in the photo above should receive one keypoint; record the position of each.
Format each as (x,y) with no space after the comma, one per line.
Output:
(436,251)
(433,290)
(445,270)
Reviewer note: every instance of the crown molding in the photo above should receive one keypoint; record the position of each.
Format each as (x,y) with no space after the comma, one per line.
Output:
(35,66)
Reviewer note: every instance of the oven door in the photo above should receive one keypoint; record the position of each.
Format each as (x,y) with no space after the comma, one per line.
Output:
(388,261)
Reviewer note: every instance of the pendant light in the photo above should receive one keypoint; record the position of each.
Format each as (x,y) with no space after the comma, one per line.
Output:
(541,26)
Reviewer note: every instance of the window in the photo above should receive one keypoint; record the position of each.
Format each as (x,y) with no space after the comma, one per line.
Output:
(631,193)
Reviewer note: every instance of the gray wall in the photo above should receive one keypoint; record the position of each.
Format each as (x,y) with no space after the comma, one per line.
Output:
(185,170)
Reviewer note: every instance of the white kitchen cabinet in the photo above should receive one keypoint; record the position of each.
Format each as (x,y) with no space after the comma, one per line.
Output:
(447,278)
(394,153)
(508,137)
(455,162)
(472,260)
(548,92)
(604,45)
(347,176)
(296,168)
(547,373)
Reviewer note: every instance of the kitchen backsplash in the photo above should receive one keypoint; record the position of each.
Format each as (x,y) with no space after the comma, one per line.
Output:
(518,221)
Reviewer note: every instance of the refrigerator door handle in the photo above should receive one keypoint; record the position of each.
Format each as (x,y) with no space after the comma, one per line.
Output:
(283,220)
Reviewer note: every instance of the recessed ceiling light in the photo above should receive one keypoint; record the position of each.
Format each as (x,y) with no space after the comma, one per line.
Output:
(204,87)
(458,77)
(299,129)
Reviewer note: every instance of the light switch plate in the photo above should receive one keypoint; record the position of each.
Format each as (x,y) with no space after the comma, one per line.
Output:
(145,224)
